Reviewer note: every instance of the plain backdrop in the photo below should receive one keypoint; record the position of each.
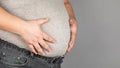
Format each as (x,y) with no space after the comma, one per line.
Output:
(98,41)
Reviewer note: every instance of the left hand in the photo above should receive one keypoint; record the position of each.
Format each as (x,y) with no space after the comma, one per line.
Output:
(73,33)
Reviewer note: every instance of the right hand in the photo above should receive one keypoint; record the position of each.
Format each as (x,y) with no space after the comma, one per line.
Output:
(35,38)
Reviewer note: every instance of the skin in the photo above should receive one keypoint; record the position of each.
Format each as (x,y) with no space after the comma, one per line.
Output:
(73,25)
(31,32)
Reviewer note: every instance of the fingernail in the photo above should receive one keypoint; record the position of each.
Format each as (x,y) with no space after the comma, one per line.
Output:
(43,54)
(46,18)
(54,41)
(71,20)
(35,53)
(50,50)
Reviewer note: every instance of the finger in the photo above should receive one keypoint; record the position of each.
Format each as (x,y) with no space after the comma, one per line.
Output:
(66,52)
(42,20)
(71,42)
(32,48)
(48,38)
(73,26)
(38,48)
(44,45)
(70,45)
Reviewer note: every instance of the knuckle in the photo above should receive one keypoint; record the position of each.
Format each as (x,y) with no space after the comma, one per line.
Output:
(32,50)
(40,40)
(30,46)
(71,47)
(40,51)
(34,39)
(35,46)
(50,38)
(43,43)
(30,41)
(46,47)
(37,35)
(70,43)
(38,47)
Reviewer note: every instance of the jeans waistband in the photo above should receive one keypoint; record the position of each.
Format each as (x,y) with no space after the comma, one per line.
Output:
(8,47)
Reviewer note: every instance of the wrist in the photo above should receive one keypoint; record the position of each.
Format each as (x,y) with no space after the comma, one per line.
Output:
(20,28)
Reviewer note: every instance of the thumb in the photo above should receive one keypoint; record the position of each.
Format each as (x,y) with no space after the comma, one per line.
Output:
(42,20)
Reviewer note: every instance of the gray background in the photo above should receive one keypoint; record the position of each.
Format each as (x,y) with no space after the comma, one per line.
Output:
(98,40)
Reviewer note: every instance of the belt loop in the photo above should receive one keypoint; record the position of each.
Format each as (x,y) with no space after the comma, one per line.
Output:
(53,60)
(57,59)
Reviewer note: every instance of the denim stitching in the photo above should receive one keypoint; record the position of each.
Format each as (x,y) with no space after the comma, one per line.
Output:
(7,56)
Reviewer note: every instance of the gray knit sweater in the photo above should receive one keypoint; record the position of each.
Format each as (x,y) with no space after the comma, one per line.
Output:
(57,27)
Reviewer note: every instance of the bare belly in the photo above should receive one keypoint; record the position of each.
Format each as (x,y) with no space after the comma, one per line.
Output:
(57,27)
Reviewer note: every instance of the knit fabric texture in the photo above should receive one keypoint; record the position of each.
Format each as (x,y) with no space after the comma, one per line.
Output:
(57,27)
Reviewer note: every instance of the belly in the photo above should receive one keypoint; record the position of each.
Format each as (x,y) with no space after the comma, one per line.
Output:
(57,27)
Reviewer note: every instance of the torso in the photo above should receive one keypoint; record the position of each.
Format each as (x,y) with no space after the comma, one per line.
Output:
(57,27)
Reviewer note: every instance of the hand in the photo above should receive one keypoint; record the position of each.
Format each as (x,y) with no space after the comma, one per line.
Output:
(73,33)
(34,37)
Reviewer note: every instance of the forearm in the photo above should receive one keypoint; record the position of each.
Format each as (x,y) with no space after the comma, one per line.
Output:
(69,9)
(10,22)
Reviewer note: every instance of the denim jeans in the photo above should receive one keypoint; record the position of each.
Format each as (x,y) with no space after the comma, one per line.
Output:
(12,56)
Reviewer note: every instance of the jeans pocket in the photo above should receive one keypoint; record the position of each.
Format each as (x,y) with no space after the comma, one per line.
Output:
(13,59)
